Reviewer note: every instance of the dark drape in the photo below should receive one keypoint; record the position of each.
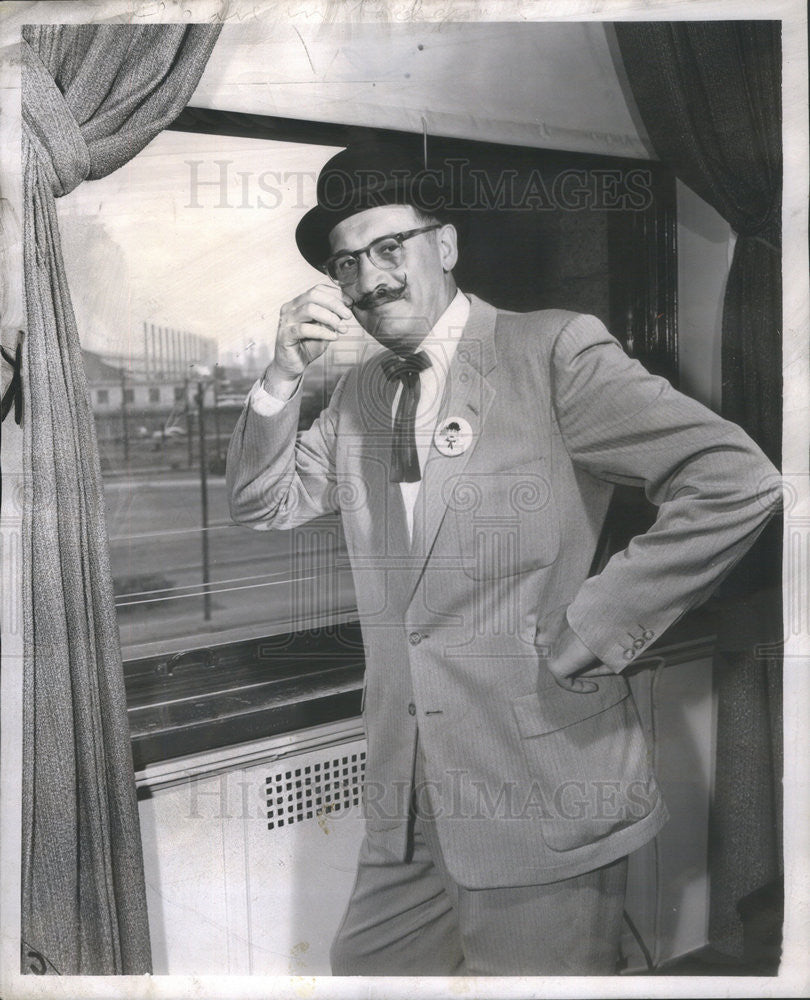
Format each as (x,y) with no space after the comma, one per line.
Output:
(92,97)
(709,94)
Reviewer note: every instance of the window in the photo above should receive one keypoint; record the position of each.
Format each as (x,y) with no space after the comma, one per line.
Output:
(179,581)
(103,397)
(205,607)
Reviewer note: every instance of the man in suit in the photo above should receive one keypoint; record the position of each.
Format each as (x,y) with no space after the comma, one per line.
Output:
(472,462)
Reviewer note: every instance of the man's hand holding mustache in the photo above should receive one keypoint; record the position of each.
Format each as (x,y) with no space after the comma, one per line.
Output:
(306,326)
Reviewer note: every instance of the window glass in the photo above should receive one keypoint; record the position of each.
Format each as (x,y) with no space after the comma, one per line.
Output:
(178,264)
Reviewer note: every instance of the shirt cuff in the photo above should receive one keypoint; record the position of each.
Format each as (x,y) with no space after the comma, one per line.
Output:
(261,402)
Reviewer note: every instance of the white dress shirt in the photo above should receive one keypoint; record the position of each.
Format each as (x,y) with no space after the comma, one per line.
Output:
(440,346)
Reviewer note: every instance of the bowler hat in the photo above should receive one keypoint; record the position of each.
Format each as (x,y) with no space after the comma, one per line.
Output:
(366,175)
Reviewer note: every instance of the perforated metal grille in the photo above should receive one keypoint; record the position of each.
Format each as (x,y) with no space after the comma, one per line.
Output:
(305,791)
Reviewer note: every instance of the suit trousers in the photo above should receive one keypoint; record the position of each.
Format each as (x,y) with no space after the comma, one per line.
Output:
(410,917)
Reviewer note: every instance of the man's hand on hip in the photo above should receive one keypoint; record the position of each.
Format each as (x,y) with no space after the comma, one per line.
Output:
(306,327)
(571,661)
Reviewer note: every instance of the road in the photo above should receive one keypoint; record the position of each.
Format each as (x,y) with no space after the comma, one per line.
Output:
(258,580)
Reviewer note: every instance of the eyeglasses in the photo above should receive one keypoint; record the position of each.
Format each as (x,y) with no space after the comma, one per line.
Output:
(385,252)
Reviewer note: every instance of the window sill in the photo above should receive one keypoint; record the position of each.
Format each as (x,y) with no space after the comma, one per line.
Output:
(218,696)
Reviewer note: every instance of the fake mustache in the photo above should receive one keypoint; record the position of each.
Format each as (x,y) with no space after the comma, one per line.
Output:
(380,295)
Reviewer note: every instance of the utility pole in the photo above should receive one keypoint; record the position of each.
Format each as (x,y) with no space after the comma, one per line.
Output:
(187,410)
(204,501)
(124,415)
(216,415)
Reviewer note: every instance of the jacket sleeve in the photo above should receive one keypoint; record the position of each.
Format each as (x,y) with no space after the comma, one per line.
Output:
(713,487)
(275,479)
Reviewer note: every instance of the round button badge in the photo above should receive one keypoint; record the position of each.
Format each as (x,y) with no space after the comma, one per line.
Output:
(453,436)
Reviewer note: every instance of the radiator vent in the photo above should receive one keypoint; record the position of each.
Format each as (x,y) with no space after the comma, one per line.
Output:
(321,785)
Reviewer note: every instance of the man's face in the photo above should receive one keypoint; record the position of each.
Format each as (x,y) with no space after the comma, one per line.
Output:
(399,307)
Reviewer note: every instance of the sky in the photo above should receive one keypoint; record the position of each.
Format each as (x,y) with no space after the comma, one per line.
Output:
(195,233)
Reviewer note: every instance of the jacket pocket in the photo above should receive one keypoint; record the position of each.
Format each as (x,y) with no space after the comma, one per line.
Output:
(506,520)
(588,761)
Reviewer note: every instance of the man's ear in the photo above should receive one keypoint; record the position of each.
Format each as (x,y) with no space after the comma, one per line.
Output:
(448,246)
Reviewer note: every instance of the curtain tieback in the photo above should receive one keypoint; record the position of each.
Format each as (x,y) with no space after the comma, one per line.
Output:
(51,126)
(13,394)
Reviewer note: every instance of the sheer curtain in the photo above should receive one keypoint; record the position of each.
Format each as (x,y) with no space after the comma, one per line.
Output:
(93,96)
(709,94)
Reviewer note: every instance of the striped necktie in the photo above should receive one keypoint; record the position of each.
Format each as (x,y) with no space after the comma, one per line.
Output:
(404,457)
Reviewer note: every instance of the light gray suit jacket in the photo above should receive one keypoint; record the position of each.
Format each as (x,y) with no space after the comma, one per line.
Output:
(526,787)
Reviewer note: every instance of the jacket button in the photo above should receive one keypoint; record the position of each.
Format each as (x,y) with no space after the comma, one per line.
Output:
(415,638)
(638,644)
(411,709)
(648,634)
(629,654)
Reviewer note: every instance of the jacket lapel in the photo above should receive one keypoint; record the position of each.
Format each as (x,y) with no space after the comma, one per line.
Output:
(468,394)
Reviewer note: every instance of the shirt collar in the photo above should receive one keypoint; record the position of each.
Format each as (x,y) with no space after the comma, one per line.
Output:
(440,343)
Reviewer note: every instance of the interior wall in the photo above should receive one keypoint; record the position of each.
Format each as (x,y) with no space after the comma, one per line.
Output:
(705,246)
